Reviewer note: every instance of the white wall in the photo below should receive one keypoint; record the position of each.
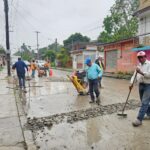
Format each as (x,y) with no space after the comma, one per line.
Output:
(74,61)
(144,27)
(76,58)
(90,54)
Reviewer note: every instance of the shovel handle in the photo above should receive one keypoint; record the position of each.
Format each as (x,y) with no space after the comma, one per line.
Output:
(129,93)
(134,78)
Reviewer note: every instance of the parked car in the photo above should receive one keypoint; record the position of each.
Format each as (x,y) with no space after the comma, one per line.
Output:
(27,62)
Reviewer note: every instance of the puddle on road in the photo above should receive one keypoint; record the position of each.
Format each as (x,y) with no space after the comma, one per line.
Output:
(101,133)
(53,98)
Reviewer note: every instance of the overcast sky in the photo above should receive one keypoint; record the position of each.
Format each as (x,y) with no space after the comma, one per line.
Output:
(53,19)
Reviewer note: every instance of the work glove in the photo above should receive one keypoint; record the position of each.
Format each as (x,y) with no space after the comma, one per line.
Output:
(131,87)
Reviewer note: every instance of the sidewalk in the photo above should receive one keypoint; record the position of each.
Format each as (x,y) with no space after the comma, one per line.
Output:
(106,74)
(12,134)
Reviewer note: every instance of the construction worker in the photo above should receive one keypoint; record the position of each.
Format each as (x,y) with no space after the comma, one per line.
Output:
(47,66)
(20,67)
(33,68)
(93,74)
(99,61)
(143,78)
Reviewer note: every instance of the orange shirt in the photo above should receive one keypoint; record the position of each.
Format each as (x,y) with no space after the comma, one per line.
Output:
(47,65)
(33,66)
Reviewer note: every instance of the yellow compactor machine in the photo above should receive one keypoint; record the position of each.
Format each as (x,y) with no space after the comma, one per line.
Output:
(78,81)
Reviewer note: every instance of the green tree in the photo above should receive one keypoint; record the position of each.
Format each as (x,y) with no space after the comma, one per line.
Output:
(77,37)
(57,47)
(63,57)
(26,53)
(52,47)
(2,50)
(120,24)
(50,54)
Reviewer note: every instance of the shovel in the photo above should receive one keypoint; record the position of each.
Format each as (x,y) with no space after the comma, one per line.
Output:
(122,113)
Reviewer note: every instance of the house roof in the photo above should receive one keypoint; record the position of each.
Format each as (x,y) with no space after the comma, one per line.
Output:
(85,43)
(145,48)
(80,51)
(140,11)
(119,41)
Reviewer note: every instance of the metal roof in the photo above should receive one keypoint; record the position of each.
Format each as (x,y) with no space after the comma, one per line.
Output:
(145,48)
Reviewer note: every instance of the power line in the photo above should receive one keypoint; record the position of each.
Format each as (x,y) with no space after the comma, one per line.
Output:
(29,23)
(30,14)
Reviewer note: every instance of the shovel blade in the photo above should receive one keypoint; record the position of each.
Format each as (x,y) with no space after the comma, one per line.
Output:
(123,115)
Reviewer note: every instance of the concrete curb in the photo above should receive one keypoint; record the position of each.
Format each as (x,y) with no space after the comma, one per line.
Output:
(63,69)
(27,134)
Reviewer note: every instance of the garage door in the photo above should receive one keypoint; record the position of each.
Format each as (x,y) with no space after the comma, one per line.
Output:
(111,59)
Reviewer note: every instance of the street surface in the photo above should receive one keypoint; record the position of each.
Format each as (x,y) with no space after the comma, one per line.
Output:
(61,119)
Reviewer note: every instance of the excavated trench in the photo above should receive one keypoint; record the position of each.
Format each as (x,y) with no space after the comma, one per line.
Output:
(74,116)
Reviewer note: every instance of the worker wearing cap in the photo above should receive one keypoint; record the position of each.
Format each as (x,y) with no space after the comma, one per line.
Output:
(143,78)
(93,74)
(20,66)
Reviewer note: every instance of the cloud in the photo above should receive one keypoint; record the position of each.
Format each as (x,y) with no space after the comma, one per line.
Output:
(56,19)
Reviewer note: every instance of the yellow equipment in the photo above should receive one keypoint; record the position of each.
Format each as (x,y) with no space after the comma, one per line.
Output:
(80,87)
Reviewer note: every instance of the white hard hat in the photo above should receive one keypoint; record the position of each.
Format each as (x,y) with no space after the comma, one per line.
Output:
(141,54)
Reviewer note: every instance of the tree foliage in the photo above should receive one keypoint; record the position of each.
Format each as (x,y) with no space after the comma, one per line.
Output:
(120,24)
(63,57)
(25,52)
(50,55)
(77,37)
(50,51)
(2,50)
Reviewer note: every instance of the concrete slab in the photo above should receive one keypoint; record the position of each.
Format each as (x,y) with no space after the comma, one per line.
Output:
(116,90)
(49,105)
(11,148)
(61,97)
(10,129)
(101,133)
(8,107)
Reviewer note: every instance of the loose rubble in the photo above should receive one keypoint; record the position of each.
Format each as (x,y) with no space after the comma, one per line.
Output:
(71,117)
(57,79)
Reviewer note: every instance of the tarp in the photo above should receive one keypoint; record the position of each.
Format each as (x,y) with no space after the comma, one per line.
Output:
(145,48)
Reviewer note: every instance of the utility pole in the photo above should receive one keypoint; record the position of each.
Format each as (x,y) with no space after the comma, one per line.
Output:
(7,37)
(37,37)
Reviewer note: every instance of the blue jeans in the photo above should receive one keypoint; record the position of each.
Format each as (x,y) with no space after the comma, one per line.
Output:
(21,81)
(33,73)
(144,91)
(93,87)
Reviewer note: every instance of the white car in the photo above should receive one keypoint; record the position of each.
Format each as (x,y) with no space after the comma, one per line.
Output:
(27,62)
(40,63)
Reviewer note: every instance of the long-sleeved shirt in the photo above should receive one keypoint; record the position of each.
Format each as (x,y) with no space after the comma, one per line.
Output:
(20,67)
(145,68)
(100,64)
(94,72)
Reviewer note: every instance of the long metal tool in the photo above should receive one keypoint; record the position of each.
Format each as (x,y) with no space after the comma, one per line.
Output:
(122,113)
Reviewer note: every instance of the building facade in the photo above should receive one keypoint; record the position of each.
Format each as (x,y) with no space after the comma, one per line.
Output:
(144,22)
(119,57)
(80,52)
(144,27)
